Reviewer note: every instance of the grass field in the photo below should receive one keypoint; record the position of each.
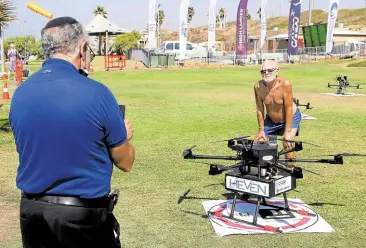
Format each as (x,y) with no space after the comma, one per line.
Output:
(174,109)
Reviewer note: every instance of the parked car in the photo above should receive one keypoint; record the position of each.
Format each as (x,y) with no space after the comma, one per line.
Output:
(192,50)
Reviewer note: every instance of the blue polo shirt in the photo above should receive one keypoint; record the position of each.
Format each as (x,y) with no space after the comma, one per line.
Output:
(63,124)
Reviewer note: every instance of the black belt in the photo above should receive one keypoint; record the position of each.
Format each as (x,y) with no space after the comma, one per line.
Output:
(103,202)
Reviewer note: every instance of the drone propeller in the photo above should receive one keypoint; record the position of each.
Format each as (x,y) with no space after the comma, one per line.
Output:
(236,138)
(185,197)
(297,141)
(192,147)
(346,155)
(292,166)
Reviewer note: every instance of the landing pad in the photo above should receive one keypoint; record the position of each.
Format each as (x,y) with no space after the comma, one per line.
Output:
(307,117)
(289,221)
(345,94)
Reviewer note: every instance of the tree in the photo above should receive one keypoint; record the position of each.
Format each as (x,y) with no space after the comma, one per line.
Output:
(102,40)
(7,13)
(100,11)
(222,17)
(33,46)
(218,19)
(259,13)
(249,16)
(125,42)
(159,17)
(190,14)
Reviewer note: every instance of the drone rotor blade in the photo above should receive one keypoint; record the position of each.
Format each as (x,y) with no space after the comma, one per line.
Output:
(344,154)
(352,155)
(184,196)
(292,166)
(191,147)
(236,138)
(297,141)
(198,162)
(312,172)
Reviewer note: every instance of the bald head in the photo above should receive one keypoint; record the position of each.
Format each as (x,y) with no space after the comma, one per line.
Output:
(269,70)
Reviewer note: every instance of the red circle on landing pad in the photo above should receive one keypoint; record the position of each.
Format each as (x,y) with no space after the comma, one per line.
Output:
(215,215)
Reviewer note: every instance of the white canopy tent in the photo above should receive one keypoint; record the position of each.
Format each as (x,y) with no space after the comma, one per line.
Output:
(101,26)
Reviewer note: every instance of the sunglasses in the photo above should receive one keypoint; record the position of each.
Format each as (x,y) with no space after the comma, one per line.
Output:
(269,71)
(92,54)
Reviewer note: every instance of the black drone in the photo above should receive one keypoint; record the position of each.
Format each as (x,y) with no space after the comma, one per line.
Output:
(259,172)
(343,83)
(297,102)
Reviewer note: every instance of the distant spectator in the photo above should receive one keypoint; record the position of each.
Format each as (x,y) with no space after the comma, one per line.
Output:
(12,55)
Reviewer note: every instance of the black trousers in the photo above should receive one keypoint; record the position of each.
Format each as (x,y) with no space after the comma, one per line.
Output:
(48,225)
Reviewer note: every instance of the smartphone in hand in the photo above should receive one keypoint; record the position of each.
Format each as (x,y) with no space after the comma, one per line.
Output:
(123,110)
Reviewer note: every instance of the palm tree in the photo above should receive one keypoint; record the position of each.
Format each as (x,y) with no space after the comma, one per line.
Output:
(221,17)
(7,15)
(190,14)
(100,11)
(159,18)
(259,13)
(218,19)
(249,16)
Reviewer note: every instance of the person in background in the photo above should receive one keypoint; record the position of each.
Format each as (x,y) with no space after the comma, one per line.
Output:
(13,56)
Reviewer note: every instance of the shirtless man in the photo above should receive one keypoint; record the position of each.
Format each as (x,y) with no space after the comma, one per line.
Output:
(274,94)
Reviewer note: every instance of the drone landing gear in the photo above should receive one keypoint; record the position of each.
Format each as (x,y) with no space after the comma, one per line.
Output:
(262,200)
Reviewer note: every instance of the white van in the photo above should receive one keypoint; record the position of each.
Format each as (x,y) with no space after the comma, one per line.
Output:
(171,46)
(193,50)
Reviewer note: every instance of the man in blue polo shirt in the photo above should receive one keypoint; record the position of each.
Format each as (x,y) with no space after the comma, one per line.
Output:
(69,131)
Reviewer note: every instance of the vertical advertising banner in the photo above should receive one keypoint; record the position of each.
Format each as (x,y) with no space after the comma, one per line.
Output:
(152,24)
(263,22)
(211,24)
(332,17)
(294,27)
(241,30)
(183,25)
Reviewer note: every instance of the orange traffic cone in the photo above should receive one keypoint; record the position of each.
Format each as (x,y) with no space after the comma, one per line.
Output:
(136,66)
(6,92)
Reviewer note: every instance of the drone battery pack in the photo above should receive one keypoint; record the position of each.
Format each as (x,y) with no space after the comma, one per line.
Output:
(259,186)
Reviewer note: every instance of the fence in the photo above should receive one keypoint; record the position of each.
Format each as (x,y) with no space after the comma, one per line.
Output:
(158,58)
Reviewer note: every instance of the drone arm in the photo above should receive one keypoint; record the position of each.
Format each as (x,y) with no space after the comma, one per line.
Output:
(297,147)
(193,156)
(336,160)
(216,169)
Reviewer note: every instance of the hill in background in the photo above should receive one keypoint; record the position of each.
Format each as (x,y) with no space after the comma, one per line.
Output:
(354,19)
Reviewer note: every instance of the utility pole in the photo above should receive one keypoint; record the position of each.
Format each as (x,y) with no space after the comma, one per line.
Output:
(310,6)
(25,40)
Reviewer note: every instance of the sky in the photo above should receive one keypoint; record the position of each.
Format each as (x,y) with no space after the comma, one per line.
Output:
(133,14)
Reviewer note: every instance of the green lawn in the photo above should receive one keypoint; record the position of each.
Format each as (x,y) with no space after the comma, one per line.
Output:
(174,109)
